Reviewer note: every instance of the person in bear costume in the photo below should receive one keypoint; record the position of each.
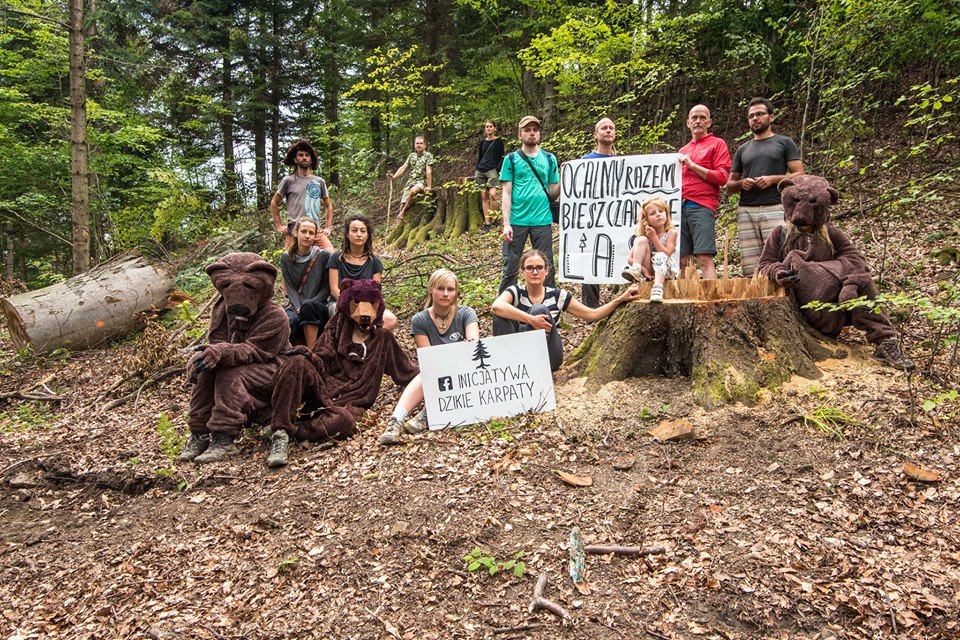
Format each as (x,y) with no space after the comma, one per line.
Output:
(338,380)
(817,261)
(233,373)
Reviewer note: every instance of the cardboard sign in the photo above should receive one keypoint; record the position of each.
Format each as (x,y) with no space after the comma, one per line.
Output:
(599,207)
(469,382)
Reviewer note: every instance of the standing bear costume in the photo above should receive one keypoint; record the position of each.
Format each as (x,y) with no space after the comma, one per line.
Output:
(817,261)
(340,379)
(234,371)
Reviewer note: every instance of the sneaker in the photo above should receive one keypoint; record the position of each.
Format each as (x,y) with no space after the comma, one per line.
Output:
(391,435)
(633,274)
(416,424)
(279,442)
(221,446)
(888,352)
(196,445)
(486,227)
(656,293)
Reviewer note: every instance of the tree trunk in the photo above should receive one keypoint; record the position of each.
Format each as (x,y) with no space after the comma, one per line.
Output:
(84,311)
(79,152)
(229,162)
(732,338)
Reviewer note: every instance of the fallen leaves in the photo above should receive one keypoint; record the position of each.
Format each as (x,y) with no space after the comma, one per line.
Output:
(574,481)
(918,473)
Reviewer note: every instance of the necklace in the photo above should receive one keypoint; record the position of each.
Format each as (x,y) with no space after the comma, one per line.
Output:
(441,320)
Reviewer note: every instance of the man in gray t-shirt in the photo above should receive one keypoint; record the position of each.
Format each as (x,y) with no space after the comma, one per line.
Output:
(306,196)
(758,167)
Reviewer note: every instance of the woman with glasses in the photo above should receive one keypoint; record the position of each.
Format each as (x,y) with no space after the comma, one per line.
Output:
(536,306)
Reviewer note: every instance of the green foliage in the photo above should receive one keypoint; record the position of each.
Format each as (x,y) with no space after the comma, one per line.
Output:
(171,440)
(829,420)
(944,403)
(483,559)
(185,312)
(27,416)
(287,565)
(940,311)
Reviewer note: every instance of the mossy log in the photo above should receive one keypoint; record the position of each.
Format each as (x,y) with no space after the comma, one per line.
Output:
(732,338)
(106,302)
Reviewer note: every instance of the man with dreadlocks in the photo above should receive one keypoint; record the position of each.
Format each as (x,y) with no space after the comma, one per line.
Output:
(306,195)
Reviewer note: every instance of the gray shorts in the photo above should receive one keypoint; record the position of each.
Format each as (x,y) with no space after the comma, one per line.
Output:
(489,179)
(698,234)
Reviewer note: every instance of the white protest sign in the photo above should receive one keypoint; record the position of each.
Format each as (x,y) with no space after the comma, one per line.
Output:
(599,208)
(469,382)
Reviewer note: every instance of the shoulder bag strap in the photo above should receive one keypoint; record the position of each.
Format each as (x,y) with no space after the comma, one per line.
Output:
(542,184)
(303,279)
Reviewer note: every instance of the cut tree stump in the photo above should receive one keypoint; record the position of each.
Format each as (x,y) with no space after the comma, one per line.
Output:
(731,337)
(84,311)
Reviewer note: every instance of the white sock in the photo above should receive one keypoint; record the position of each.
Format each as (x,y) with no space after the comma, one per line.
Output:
(400,414)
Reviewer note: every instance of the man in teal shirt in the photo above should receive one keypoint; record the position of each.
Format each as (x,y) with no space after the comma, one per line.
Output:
(527,175)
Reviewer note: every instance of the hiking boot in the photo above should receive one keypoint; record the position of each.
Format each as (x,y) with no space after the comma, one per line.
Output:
(656,293)
(279,442)
(486,227)
(221,446)
(196,445)
(888,352)
(391,435)
(633,274)
(417,424)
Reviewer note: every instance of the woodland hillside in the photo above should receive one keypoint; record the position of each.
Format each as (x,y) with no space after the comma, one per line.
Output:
(821,508)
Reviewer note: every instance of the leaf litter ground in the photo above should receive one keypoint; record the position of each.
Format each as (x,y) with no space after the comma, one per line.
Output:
(771,528)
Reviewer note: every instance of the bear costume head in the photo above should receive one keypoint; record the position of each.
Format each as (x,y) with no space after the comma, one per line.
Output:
(245,280)
(806,202)
(362,301)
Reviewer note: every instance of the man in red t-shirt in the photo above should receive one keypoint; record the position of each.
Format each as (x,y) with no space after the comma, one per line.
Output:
(706,167)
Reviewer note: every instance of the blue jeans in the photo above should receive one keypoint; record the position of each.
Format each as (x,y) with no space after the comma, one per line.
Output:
(541,237)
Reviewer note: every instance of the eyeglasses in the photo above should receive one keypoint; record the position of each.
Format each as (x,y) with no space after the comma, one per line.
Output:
(534,268)
(754,116)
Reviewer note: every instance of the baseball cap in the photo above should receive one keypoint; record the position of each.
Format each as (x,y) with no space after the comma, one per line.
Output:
(525,120)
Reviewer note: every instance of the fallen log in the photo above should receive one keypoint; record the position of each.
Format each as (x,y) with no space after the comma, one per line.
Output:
(88,309)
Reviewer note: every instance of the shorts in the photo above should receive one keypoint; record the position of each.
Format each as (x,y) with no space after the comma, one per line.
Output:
(406,191)
(698,234)
(489,179)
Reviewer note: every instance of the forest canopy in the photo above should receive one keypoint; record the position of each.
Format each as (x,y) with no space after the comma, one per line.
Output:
(189,106)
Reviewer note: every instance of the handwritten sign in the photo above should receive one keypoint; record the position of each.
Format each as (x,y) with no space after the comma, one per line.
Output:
(469,382)
(599,207)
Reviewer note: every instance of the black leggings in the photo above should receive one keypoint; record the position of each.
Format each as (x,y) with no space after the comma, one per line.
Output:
(502,327)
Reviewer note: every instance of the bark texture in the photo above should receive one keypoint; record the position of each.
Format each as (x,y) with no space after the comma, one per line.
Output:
(730,348)
(88,309)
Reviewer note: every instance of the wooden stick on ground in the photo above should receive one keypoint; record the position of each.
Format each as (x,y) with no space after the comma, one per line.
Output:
(539,602)
(21,395)
(597,549)
(516,629)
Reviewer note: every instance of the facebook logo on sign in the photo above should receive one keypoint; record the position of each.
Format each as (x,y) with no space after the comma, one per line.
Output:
(445,383)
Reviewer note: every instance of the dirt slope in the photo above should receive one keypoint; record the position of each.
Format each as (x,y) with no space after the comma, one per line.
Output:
(770,528)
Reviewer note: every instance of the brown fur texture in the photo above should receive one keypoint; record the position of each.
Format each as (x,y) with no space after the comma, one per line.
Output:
(234,371)
(817,261)
(340,379)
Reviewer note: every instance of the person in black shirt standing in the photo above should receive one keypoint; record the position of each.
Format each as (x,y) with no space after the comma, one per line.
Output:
(490,154)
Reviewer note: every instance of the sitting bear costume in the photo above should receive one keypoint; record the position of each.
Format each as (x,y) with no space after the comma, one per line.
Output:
(234,371)
(341,377)
(818,262)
